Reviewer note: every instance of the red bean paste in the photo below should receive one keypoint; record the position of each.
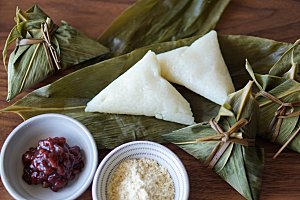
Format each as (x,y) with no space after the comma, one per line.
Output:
(52,163)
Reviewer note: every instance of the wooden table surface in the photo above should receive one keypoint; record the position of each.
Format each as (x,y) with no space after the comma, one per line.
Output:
(275,19)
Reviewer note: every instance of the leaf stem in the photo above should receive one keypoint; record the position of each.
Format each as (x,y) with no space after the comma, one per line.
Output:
(279,97)
(17,109)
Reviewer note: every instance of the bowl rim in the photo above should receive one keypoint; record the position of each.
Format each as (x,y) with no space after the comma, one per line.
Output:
(109,155)
(12,134)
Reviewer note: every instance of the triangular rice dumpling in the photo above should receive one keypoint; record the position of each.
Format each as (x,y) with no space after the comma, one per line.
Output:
(231,154)
(142,91)
(44,48)
(200,68)
(279,101)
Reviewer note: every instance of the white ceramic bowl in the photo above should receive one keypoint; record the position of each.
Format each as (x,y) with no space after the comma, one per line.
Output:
(27,135)
(141,149)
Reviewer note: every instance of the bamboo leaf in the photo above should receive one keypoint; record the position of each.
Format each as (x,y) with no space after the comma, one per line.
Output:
(264,82)
(153,21)
(13,35)
(29,64)
(285,62)
(261,53)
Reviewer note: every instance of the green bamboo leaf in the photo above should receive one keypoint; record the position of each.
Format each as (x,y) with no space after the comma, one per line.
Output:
(35,12)
(18,52)
(70,94)
(13,35)
(285,62)
(261,53)
(264,82)
(29,64)
(153,21)
(240,166)
(71,44)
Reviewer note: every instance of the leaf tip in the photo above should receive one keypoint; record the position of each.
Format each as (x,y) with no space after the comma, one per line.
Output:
(3,110)
(249,84)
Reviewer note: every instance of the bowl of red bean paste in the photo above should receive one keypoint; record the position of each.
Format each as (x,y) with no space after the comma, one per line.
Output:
(49,156)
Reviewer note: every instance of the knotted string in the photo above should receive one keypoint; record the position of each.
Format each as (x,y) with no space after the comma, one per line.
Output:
(224,138)
(51,53)
(280,114)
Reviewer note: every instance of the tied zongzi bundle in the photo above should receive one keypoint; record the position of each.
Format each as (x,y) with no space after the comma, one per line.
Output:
(142,91)
(227,143)
(279,102)
(42,48)
(200,68)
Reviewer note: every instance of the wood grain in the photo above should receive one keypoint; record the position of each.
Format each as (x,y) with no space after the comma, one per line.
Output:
(275,19)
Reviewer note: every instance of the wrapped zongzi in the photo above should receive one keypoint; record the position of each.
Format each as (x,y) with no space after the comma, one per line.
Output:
(42,47)
(227,143)
(279,102)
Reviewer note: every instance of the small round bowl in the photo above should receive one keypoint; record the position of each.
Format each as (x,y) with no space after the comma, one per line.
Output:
(27,135)
(141,149)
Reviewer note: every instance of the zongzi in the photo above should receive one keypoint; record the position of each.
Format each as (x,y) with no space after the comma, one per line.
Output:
(42,48)
(142,91)
(279,102)
(227,143)
(200,68)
